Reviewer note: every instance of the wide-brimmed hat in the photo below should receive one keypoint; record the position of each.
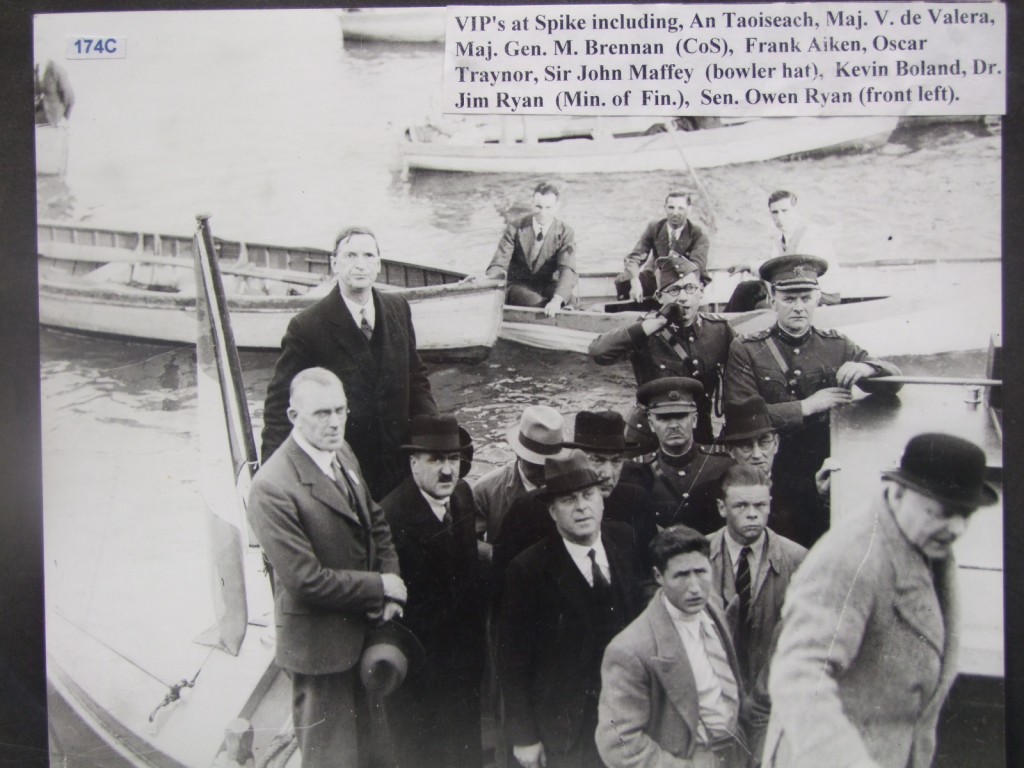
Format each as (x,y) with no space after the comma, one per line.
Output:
(945,467)
(746,419)
(436,434)
(390,652)
(567,474)
(671,394)
(538,435)
(600,432)
(793,272)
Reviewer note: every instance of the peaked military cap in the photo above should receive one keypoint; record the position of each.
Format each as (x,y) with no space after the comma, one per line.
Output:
(672,394)
(793,272)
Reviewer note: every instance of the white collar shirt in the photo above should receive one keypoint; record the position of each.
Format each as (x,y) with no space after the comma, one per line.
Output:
(358,310)
(580,556)
(438,506)
(323,459)
(756,556)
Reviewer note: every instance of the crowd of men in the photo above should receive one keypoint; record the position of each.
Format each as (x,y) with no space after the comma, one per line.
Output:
(639,593)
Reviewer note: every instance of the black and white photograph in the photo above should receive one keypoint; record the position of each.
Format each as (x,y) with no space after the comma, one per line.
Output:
(384,434)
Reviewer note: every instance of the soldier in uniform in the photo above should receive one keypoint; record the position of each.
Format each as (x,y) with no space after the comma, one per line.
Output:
(677,340)
(802,372)
(679,464)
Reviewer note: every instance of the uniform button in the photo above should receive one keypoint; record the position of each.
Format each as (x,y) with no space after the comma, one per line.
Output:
(681,472)
(796,351)
(662,366)
(797,372)
(691,339)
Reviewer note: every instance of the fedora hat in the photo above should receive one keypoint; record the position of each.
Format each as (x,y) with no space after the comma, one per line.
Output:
(538,435)
(567,474)
(746,419)
(945,467)
(601,432)
(436,434)
(390,652)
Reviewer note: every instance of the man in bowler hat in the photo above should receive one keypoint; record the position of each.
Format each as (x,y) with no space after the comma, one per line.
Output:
(564,599)
(868,647)
(435,716)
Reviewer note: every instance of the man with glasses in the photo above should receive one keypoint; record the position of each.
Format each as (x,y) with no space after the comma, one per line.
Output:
(677,340)
(802,372)
(679,465)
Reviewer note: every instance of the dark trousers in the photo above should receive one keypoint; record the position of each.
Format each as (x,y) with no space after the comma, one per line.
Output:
(330,718)
(647,281)
(435,719)
(584,753)
(523,295)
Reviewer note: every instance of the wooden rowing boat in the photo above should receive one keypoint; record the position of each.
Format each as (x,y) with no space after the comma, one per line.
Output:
(891,308)
(667,150)
(141,286)
(394,25)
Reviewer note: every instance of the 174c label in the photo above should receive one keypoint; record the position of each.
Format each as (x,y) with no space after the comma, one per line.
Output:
(96,47)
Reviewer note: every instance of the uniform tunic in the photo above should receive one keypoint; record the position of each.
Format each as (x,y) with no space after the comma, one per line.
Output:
(811,362)
(698,351)
(671,479)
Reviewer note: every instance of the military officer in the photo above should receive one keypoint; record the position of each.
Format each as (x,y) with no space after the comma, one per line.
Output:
(679,463)
(802,372)
(677,340)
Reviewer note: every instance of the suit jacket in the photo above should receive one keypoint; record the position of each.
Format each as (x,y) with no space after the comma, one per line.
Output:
(385,381)
(654,244)
(441,570)
(327,564)
(549,647)
(494,494)
(521,260)
(867,651)
(649,711)
(779,562)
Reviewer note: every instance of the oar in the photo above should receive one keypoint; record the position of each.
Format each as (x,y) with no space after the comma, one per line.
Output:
(957,381)
(693,174)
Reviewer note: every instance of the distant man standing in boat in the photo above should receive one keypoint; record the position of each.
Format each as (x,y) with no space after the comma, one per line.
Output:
(335,570)
(796,235)
(802,372)
(677,340)
(674,235)
(868,647)
(367,339)
(537,256)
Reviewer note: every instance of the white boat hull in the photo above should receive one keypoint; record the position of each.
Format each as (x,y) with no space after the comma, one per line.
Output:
(749,142)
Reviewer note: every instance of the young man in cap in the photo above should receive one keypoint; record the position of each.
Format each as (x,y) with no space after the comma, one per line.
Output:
(335,570)
(677,340)
(564,599)
(536,438)
(599,434)
(867,651)
(675,235)
(802,372)
(435,716)
(680,464)
(671,688)
(537,256)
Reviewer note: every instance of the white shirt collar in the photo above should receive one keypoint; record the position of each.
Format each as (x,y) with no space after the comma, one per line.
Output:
(357,309)
(322,459)
(578,553)
(437,506)
(691,622)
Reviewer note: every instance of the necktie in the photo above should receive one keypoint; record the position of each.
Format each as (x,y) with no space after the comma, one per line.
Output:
(743,592)
(448,520)
(720,666)
(597,577)
(346,488)
(540,235)
(365,326)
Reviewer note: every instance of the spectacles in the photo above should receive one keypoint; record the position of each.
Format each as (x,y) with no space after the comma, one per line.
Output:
(675,290)
(764,442)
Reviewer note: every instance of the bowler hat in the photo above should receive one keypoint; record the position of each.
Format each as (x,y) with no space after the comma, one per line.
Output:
(538,435)
(945,467)
(793,272)
(436,434)
(389,653)
(600,432)
(671,394)
(567,474)
(746,419)
(674,268)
